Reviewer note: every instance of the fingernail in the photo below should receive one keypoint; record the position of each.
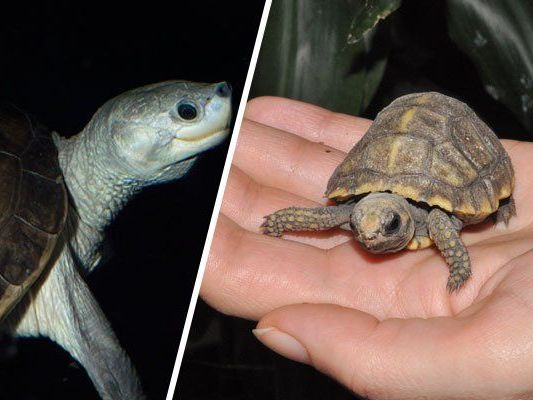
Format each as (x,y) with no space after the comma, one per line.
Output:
(282,343)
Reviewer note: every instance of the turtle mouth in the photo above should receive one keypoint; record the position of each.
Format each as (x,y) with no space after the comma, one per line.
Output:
(376,248)
(382,245)
(201,139)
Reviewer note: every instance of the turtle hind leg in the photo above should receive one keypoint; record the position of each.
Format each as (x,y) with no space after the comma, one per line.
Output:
(62,308)
(306,219)
(445,234)
(506,210)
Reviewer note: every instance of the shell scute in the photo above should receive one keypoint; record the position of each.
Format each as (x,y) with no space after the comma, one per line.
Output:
(451,166)
(22,247)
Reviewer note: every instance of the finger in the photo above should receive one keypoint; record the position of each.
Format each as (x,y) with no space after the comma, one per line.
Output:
(246,202)
(311,122)
(395,358)
(342,131)
(249,275)
(285,161)
(520,153)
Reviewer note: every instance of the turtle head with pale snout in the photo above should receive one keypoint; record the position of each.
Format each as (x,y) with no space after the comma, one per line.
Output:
(157,131)
(382,222)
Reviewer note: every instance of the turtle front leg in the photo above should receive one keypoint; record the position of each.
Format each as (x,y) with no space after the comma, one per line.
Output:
(62,308)
(445,233)
(306,219)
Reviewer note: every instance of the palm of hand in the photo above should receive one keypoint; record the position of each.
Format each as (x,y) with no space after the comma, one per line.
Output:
(286,153)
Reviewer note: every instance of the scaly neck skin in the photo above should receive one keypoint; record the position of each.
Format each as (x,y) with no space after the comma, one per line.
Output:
(137,139)
(98,185)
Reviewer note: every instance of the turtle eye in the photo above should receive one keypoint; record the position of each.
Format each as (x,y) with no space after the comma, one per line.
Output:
(187,110)
(393,225)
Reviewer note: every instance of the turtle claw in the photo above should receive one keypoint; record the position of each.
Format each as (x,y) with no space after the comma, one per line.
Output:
(457,279)
(270,227)
(453,286)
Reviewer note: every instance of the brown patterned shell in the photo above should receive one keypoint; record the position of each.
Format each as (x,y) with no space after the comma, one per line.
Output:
(33,203)
(430,148)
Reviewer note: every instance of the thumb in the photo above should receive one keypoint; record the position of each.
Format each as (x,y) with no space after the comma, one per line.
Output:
(395,358)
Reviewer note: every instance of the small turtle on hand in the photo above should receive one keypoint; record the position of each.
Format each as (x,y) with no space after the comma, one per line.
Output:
(426,167)
(58,195)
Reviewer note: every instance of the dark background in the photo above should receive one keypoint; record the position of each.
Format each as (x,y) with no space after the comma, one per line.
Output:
(62,61)
(221,349)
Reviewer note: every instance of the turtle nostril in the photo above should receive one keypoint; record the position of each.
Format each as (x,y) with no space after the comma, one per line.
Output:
(223,89)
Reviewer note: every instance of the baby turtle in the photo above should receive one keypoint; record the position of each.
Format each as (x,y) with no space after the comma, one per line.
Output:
(426,167)
(143,137)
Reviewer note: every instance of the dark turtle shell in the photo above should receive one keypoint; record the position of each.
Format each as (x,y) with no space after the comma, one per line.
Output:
(429,148)
(33,203)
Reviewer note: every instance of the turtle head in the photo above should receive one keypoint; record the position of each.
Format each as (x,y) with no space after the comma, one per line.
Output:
(156,132)
(382,222)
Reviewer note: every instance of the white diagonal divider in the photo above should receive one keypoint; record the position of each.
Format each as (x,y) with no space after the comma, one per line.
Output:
(218,201)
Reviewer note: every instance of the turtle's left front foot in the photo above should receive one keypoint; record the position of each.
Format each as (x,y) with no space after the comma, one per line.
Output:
(445,234)
(459,274)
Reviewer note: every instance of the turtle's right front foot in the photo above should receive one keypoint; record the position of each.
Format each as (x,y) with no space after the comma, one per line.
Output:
(306,219)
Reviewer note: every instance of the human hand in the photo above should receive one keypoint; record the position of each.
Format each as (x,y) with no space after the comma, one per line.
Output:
(384,326)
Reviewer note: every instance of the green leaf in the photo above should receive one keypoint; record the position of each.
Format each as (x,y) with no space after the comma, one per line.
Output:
(310,52)
(368,15)
(498,37)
